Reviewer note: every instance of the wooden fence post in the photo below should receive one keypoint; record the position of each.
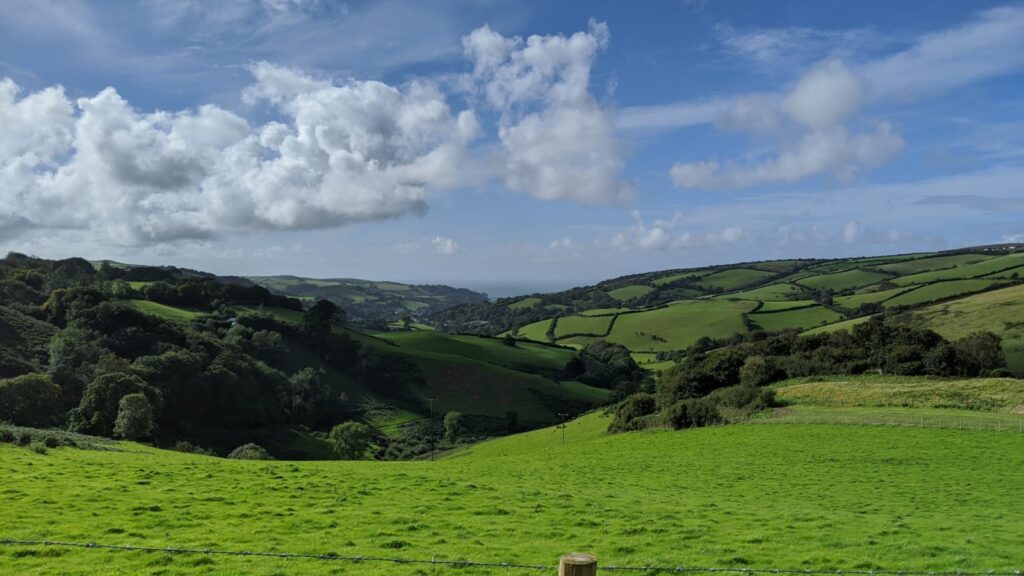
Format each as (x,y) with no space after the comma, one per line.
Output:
(577,565)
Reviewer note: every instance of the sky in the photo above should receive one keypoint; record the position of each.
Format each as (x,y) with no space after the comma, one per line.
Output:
(542,144)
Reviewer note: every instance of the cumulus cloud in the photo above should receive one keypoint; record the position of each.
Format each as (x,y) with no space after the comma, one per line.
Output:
(444,245)
(661,234)
(810,126)
(557,142)
(341,153)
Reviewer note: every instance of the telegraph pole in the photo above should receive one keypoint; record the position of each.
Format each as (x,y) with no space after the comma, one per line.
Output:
(562,426)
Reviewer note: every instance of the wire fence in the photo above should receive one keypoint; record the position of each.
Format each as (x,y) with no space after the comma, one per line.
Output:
(650,569)
(983,423)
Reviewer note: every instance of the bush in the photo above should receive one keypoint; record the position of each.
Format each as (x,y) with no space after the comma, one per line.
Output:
(759,371)
(38,447)
(51,442)
(350,440)
(134,418)
(30,400)
(7,437)
(629,412)
(249,451)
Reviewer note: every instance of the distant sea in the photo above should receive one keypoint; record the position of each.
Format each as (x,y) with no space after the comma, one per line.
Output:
(504,289)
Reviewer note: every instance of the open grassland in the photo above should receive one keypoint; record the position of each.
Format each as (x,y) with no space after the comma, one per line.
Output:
(734,278)
(172,313)
(845,280)
(777,291)
(1000,311)
(934,263)
(680,324)
(525,303)
(568,325)
(801,318)
(630,292)
(976,270)
(522,356)
(537,331)
(802,497)
(893,416)
(990,394)
(940,291)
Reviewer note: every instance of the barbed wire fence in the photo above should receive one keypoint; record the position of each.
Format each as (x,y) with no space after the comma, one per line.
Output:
(533,568)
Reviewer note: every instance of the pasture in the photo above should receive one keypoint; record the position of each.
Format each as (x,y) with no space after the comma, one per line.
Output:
(680,324)
(800,318)
(771,496)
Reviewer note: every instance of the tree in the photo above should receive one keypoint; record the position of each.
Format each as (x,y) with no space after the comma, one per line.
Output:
(250,451)
(134,417)
(30,400)
(101,402)
(350,439)
(979,352)
(758,371)
(629,412)
(317,321)
(453,426)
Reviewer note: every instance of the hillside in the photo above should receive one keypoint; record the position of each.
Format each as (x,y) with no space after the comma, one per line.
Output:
(224,363)
(882,498)
(366,300)
(670,310)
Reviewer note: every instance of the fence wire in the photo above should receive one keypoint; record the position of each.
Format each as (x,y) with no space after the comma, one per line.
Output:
(655,569)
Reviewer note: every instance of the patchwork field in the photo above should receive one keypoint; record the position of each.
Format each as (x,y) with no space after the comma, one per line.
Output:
(878,499)
(801,318)
(680,324)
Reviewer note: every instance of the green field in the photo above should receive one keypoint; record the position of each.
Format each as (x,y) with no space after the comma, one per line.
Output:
(778,291)
(770,496)
(1001,311)
(171,313)
(734,279)
(940,291)
(968,271)
(856,300)
(596,326)
(523,356)
(630,292)
(801,318)
(680,324)
(982,394)
(934,263)
(845,280)
(777,305)
(842,325)
(525,303)
(537,331)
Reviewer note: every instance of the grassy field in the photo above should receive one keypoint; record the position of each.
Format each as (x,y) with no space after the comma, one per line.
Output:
(989,394)
(778,305)
(800,497)
(537,331)
(734,278)
(172,313)
(582,325)
(845,280)
(940,291)
(801,318)
(856,300)
(525,303)
(968,271)
(679,324)
(630,292)
(934,263)
(523,356)
(779,291)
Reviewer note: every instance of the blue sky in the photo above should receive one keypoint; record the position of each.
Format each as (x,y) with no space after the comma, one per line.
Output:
(482,142)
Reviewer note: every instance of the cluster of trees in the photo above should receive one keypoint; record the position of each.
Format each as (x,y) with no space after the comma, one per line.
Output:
(608,365)
(707,386)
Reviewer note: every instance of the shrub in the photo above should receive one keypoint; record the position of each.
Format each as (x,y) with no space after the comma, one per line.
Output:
(38,447)
(134,418)
(350,440)
(100,403)
(7,437)
(51,442)
(250,451)
(628,413)
(759,371)
(30,400)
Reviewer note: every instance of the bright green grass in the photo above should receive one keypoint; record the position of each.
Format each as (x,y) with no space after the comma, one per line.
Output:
(582,325)
(856,300)
(525,303)
(939,291)
(777,291)
(843,280)
(776,305)
(967,271)
(680,324)
(537,331)
(771,496)
(672,278)
(630,292)
(171,313)
(522,356)
(1017,272)
(603,311)
(844,325)
(734,278)
(139,284)
(947,418)
(802,318)
(989,394)
(285,315)
(934,263)
(1000,311)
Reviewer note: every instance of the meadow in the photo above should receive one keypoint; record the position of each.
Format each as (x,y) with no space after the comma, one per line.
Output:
(771,496)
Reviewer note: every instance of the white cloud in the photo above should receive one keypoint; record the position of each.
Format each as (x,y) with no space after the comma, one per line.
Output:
(661,235)
(346,153)
(558,143)
(809,124)
(780,49)
(444,245)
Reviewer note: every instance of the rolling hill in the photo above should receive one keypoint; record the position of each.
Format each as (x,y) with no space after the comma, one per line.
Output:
(951,292)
